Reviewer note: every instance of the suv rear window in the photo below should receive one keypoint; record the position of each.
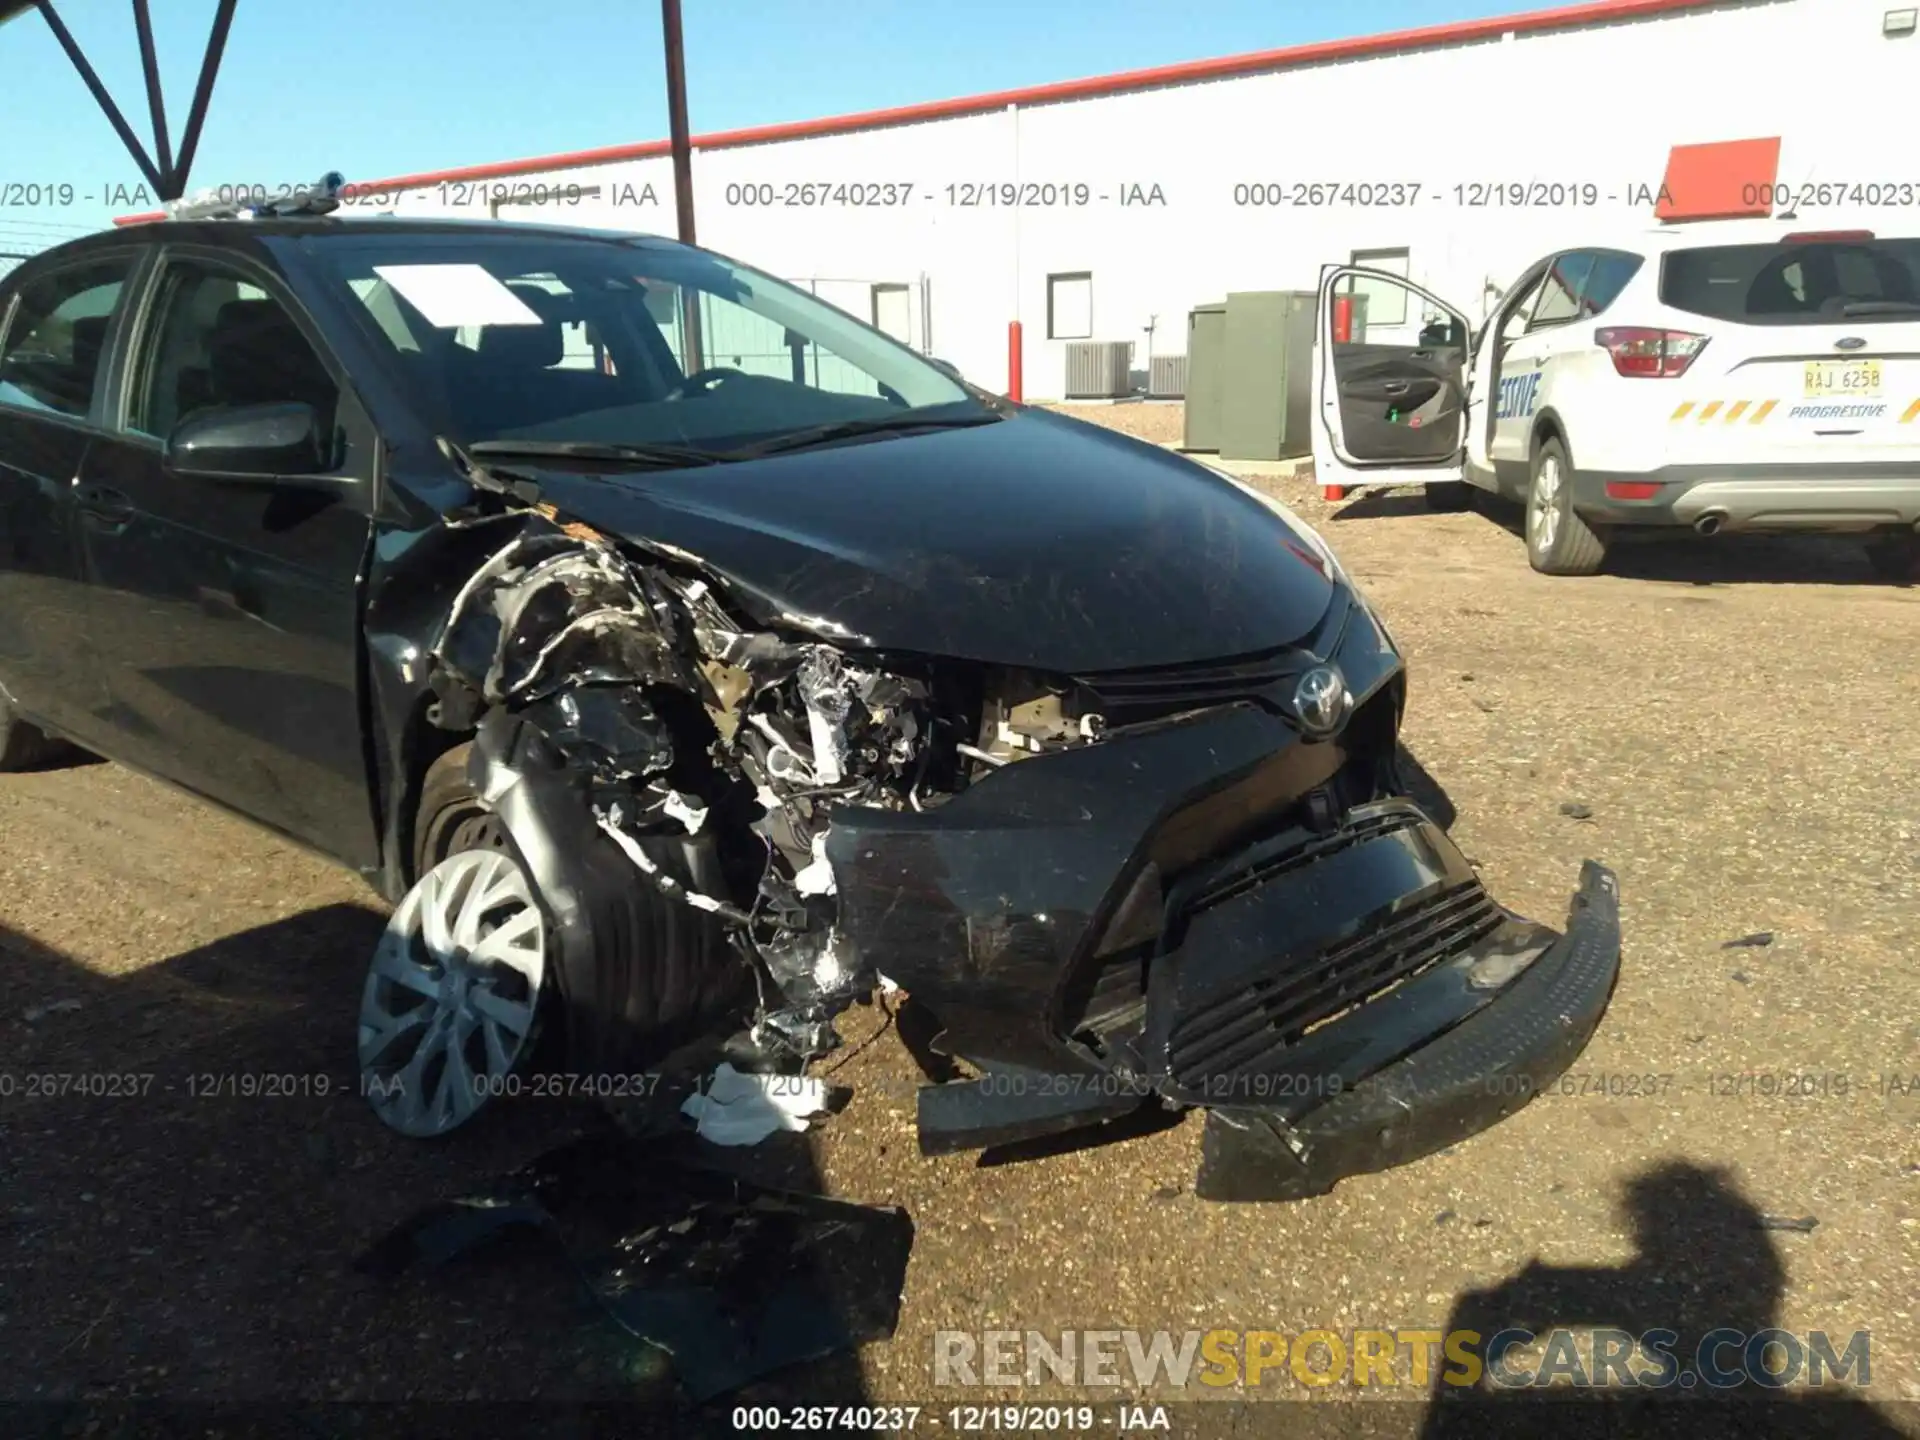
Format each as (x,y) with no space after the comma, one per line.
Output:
(1804,283)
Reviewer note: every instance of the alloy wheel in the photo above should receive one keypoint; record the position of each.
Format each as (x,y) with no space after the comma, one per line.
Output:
(452,996)
(1543,513)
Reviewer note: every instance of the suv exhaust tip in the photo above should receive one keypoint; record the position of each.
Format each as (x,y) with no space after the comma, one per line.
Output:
(1710,523)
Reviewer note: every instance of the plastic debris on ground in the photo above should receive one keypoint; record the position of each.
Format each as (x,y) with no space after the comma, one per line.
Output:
(731,1279)
(741,1109)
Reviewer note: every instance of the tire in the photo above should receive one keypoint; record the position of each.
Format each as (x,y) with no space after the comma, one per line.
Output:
(1559,542)
(1895,558)
(27,747)
(670,973)
(1448,496)
(450,817)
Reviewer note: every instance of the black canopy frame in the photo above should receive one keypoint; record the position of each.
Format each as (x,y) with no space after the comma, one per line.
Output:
(165,170)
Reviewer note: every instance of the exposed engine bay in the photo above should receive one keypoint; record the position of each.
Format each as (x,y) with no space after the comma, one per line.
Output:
(739,744)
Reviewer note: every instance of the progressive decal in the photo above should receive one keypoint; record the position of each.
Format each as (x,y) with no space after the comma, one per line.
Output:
(1518,394)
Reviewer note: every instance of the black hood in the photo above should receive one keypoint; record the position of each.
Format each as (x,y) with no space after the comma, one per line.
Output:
(1035,541)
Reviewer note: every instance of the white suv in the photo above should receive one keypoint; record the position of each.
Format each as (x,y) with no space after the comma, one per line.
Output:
(1742,376)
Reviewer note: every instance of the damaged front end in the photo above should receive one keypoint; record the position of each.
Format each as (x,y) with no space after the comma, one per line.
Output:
(667,776)
(1190,886)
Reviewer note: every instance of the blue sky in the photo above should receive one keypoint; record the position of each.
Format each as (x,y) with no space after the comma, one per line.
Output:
(384,87)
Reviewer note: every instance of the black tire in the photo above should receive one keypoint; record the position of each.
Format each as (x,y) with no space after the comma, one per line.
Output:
(1448,496)
(1559,542)
(668,977)
(27,747)
(450,817)
(1895,558)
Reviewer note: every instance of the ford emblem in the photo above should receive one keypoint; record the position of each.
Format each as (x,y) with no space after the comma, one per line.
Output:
(1848,342)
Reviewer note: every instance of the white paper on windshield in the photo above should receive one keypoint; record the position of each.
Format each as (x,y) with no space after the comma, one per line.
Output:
(451,296)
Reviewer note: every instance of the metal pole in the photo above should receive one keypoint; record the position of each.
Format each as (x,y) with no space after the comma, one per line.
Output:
(156,102)
(102,99)
(682,168)
(677,118)
(202,93)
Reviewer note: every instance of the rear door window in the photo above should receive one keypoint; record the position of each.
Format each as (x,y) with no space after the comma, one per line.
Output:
(58,336)
(1559,299)
(1802,283)
(1611,272)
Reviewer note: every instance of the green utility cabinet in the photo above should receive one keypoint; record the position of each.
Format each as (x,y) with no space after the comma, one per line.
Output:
(1250,375)
(1269,365)
(1206,369)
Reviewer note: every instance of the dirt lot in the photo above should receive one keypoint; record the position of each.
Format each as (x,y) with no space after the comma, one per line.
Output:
(1735,720)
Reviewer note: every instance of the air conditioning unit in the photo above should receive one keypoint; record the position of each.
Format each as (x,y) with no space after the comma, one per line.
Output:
(1167,377)
(1098,369)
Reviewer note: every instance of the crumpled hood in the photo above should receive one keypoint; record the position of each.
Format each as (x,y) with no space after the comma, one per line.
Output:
(1037,541)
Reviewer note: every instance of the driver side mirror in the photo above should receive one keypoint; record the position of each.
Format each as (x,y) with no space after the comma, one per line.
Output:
(1443,332)
(248,442)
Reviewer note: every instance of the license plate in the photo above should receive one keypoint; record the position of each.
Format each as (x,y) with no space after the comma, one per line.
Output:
(1842,379)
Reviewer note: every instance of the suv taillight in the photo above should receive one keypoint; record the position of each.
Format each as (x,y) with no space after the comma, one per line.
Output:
(1648,354)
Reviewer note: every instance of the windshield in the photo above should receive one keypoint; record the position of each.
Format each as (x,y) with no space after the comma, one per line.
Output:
(526,340)
(1802,283)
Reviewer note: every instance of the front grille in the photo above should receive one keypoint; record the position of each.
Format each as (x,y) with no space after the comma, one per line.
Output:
(1245,1032)
(1131,696)
(1239,880)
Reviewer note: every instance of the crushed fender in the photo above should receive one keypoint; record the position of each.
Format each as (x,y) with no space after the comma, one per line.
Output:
(631,732)
(732,1280)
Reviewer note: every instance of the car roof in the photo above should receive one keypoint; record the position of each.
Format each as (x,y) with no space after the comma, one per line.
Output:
(1759,231)
(241,234)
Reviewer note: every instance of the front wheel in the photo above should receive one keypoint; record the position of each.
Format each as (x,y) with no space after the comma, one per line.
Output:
(1559,542)
(24,746)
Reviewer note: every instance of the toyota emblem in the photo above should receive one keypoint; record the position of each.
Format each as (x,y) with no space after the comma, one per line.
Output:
(1322,701)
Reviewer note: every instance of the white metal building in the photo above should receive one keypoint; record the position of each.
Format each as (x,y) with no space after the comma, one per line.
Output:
(1455,154)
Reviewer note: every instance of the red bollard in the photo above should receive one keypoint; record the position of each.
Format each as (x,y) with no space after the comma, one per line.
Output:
(1342,335)
(1014,385)
(1342,319)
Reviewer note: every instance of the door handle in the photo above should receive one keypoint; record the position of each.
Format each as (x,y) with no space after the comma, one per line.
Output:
(1396,387)
(113,506)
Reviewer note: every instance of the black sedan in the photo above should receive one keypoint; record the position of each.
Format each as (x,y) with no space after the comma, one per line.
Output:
(685,659)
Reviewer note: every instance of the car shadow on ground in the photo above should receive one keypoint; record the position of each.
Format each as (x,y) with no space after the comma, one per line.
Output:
(1425,791)
(1382,505)
(1704,1261)
(192,1174)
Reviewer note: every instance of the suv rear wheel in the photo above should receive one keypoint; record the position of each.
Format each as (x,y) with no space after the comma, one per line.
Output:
(1559,542)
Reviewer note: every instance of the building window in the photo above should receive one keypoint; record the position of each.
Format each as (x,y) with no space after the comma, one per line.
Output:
(893,312)
(1386,304)
(1070,306)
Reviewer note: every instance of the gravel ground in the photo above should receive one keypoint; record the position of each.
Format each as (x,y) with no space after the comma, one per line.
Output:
(1734,721)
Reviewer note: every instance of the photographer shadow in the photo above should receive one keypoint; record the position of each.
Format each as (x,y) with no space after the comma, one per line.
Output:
(1705,1262)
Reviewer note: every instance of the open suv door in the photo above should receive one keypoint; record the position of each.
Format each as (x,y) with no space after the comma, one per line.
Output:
(1390,375)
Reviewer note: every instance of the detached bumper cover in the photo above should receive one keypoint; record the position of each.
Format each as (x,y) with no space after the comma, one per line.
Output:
(1469,1078)
(1216,912)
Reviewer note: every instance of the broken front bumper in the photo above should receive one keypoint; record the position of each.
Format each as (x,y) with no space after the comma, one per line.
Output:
(1196,913)
(1470,1076)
